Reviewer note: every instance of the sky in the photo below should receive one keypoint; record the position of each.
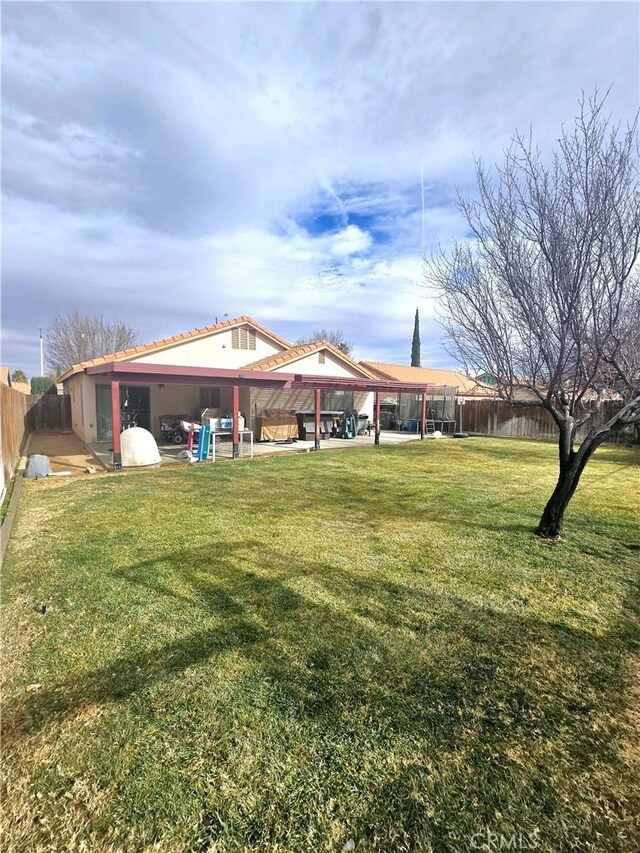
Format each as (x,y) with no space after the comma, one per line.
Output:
(167,164)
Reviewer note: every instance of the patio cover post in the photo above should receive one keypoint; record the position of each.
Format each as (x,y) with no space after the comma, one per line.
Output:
(377,418)
(316,442)
(423,416)
(236,430)
(444,406)
(115,424)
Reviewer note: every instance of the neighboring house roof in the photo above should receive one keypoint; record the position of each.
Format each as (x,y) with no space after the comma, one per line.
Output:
(5,379)
(301,351)
(590,395)
(490,380)
(605,394)
(429,375)
(166,343)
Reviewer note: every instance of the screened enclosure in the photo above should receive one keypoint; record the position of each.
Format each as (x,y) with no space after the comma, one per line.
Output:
(440,409)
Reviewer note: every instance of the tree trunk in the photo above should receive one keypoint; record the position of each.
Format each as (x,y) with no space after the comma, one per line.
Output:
(572,465)
(550,526)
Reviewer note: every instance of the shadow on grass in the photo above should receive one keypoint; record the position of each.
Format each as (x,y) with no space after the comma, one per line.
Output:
(329,640)
(627,456)
(350,656)
(128,675)
(516,513)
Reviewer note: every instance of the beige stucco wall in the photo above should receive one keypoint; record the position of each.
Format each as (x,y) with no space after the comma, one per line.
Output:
(368,405)
(185,400)
(177,399)
(215,350)
(172,400)
(310,365)
(82,389)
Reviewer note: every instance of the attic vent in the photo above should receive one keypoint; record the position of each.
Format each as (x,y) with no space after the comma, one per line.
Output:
(243,338)
(321,357)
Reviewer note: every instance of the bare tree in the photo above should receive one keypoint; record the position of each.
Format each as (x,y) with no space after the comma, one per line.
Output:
(334,336)
(79,337)
(545,296)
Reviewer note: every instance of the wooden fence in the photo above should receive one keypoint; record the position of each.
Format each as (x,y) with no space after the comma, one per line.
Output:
(24,413)
(49,413)
(13,431)
(495,417)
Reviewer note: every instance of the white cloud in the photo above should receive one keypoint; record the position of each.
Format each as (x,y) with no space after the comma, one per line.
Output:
(173,162)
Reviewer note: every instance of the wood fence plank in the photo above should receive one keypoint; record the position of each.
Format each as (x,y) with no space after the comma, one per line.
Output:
(495,417)
(24,413)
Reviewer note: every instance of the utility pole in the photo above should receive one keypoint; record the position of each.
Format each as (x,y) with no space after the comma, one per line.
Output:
(41,354)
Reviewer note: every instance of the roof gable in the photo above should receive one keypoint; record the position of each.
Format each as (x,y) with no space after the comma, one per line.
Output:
(167,343)
(293,354)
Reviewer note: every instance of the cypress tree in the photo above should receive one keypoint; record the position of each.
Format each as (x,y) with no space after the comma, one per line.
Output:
(415,344)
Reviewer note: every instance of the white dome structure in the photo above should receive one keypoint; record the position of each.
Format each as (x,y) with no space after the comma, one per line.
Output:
(138,447)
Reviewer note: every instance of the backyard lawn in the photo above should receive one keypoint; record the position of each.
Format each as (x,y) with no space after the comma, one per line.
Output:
(296,652)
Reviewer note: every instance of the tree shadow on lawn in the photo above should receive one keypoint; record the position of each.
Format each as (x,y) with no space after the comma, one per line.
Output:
(628,457)
(513,696)
(516,514)
(419,506)
(398,649)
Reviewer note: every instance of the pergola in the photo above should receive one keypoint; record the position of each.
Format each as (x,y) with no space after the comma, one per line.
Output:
(143,374)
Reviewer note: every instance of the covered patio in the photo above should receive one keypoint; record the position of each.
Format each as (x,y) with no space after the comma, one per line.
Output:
(171,453)
(116,373)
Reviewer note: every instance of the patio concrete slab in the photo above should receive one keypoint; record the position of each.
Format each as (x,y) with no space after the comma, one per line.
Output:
(170,453)
(66,452)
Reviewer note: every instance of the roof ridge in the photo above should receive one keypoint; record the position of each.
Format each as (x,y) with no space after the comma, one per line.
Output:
(416,367)
(440,375)
(303,349)
(163,343)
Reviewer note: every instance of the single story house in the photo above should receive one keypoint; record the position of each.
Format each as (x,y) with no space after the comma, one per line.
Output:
(236,369)
(241,344)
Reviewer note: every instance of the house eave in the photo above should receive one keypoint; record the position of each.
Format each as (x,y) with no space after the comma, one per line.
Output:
(132,372)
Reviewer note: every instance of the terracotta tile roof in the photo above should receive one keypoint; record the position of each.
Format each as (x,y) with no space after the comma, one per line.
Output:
(165,343)
(608,394)
(429,375)
(300,351)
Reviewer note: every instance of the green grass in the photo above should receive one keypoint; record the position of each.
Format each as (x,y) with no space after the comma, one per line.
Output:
(286,654)
(4,506)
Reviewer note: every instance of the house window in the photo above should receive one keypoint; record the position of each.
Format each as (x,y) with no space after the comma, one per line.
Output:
(321,357)
(243,338)
(209,398)
(336,401)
